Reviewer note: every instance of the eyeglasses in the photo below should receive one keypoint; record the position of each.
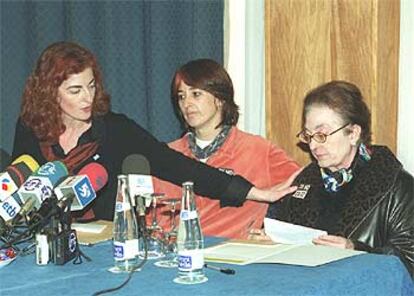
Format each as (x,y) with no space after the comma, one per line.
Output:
(318,136)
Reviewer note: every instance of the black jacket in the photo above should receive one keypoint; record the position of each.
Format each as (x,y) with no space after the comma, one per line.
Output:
(378,214)
(118,137)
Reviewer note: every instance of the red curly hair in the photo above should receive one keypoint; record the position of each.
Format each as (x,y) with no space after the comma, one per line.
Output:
(40,110)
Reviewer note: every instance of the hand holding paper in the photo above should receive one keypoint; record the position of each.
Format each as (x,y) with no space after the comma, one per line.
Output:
(287,233)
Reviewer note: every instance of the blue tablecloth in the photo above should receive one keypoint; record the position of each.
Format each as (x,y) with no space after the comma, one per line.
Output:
(367,274)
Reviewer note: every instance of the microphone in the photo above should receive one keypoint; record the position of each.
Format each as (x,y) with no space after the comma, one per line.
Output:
(24,210)
(9,208)
(28,160)
(16,174)
(75,191)
(39,186)
(137,168)
(11,180)
(5,159)
(80,190)
(135,164)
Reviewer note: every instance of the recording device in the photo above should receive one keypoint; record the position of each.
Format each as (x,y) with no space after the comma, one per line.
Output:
(42,249)
(65,247)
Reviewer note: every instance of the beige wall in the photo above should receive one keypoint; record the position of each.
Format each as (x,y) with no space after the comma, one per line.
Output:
(314,41)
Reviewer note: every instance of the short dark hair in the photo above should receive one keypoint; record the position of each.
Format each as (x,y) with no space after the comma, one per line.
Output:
(345,99)
(40,110)
(209,76)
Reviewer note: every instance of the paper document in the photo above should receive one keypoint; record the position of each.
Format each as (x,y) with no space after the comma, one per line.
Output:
(88,227)
(241,253)
(287,233)
(94,232)
(247,253)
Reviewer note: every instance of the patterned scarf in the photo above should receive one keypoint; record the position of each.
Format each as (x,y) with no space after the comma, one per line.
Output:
(334,181)
(75,157)
(206,152)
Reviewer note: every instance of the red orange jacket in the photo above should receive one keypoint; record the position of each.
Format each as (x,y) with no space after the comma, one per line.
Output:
(250,156)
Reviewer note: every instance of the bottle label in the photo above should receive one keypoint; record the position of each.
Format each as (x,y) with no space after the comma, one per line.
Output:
(189,260)
(122,206)
(127,250)
(188,215)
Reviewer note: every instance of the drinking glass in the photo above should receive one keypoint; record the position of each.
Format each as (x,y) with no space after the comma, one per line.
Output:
(155,237)
(171,260)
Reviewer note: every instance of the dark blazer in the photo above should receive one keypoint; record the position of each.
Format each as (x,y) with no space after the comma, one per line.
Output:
(379,212)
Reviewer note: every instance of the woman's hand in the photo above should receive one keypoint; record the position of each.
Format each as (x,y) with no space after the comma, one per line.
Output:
(258,234)
(334,241)
(274,193)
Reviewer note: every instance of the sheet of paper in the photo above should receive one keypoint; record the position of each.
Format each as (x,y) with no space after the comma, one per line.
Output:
(287,233)
(85,233)
(247,253)
(309,255)
(242,253)
(88,227)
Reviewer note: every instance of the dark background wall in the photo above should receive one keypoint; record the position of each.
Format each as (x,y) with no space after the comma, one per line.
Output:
(139,44)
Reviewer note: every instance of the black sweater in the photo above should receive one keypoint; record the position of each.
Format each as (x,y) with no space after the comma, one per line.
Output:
(118,137)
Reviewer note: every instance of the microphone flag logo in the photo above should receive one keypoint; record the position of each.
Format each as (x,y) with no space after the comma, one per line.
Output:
(9,208)
(47,169)
(32,184)
(72,242)
(84,191)
(5,184)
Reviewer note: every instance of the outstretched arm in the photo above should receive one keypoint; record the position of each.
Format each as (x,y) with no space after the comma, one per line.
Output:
(274,193)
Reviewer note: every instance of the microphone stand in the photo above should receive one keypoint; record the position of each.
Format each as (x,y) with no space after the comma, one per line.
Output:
(38,221)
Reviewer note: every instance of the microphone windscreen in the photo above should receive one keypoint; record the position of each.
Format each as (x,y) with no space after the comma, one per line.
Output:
(136,164)
(96,173)
(19,172)
(5,159)
(28,160)
(53,170)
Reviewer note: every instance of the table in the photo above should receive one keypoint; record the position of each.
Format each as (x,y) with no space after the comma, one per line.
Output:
(367,274)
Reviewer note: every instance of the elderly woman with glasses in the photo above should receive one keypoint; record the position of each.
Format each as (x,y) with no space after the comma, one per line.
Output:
(359,193)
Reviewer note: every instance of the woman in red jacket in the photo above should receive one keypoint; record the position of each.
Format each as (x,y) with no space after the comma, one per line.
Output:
(202,93)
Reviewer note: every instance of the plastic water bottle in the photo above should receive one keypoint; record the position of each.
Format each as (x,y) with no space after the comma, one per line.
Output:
(189,241)
(125,231)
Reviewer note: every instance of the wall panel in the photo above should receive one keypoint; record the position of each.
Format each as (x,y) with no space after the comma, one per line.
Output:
(312,42)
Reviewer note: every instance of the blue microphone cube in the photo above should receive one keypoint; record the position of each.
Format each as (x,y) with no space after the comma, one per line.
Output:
(81,189)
